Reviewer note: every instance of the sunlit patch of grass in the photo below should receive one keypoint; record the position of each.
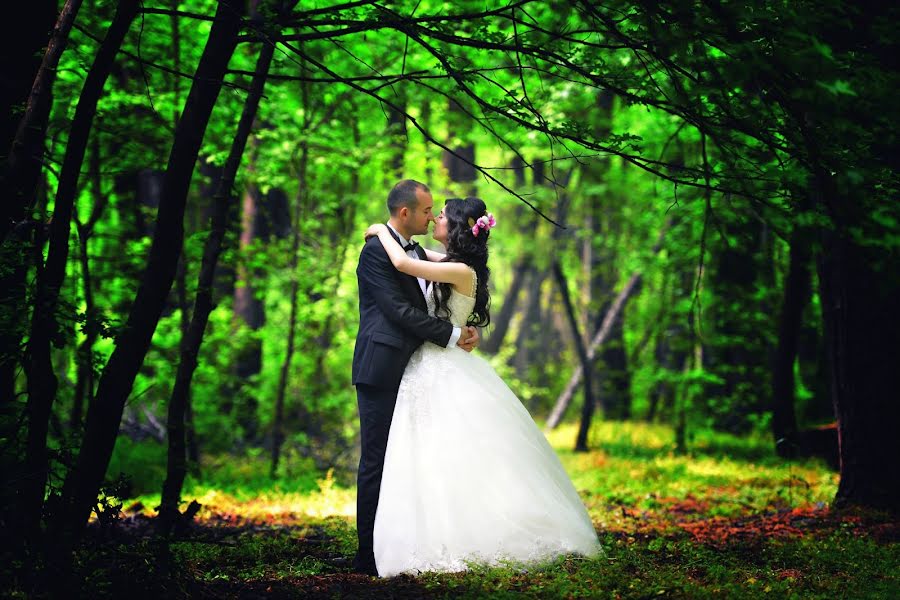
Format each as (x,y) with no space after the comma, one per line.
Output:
(632,464)
(329,499)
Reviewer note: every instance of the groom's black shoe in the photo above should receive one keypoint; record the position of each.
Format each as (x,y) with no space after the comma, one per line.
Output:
(364,568)
(372,571)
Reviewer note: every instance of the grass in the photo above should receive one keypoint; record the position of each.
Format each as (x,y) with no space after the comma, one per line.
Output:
(728,520)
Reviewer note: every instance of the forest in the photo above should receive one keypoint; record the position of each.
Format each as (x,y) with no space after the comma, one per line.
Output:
(694,284)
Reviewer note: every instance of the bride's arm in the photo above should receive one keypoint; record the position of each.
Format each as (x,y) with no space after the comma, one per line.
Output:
(434,256)
(457,274)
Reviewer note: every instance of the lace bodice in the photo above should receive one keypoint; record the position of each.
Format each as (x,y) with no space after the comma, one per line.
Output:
(459,305)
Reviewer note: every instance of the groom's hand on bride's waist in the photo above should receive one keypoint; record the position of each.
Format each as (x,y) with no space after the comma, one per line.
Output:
(469,338)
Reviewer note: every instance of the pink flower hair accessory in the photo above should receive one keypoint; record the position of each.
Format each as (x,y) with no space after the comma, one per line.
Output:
(485,221)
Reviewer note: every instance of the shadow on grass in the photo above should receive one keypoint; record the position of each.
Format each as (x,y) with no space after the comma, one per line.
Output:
(215,560)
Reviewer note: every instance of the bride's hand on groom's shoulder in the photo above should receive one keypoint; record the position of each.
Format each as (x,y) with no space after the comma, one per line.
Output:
(469,338)
(374,229)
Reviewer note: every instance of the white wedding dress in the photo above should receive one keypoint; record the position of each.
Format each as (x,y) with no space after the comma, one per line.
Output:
(468,476)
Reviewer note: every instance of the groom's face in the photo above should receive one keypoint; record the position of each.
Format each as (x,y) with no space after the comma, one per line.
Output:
(419,217)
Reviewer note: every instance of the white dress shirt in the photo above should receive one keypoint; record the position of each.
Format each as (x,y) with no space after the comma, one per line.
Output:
(426,289)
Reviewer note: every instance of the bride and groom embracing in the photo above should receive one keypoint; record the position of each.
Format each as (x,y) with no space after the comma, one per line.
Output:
(453,468)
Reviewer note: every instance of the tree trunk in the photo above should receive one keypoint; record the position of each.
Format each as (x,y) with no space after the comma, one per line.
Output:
(169,513)
(20,62)
(398,132)
(615,382)
(460,164)
(83,481)
(796,295)
(527,340)
(562,403)
(84,382)
(588,407)
(862,332)
(278,419)
(739,347)
(42,382)
(565,398)
(500,325)
(26,153)
(249,310)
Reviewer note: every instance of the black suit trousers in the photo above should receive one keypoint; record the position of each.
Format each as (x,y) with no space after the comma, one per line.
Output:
(376,409)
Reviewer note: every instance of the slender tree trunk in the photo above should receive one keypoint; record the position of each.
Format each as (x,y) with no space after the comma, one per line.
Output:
(615,385)
(587,410)
(25,155)
(84,382)
(84,480)
(203,304)
(249,310)
(399,136)
(562,403)
(500,325)
(20,62)
(796,295)
(42,381)
(278,419)
(459,165)
(527,340)
(602,334)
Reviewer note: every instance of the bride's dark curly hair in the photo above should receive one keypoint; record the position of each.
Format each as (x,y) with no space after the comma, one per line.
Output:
(466,248)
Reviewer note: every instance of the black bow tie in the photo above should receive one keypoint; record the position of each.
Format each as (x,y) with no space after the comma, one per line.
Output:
(410,246)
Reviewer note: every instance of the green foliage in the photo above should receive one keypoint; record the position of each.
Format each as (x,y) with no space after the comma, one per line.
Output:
(143,462)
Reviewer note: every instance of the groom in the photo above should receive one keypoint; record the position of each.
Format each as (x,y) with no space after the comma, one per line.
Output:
(393,322)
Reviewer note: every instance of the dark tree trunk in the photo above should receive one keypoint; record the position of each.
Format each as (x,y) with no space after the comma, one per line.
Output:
(811,363)
(26,153)
(42,382)
(615,382)
(600,337)
(528,338)
(602,334)
(460,164)
(278,418)
(587,409)
(398,132)
(169,513)
(104,415)
(249,310)
(84,382)
(739,351)
(20,62)
(500,323)
(862,333)
(796,296)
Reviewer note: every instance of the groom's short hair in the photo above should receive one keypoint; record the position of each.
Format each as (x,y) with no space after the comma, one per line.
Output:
(404,194)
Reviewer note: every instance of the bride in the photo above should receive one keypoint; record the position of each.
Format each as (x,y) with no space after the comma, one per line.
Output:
(468,476)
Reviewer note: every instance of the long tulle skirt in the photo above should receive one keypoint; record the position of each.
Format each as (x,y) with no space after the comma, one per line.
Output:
(468,476)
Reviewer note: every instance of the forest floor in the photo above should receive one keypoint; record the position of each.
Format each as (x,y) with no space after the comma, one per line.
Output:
(728,520)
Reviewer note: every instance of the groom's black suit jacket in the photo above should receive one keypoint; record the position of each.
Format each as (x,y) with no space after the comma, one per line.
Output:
(393,318)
